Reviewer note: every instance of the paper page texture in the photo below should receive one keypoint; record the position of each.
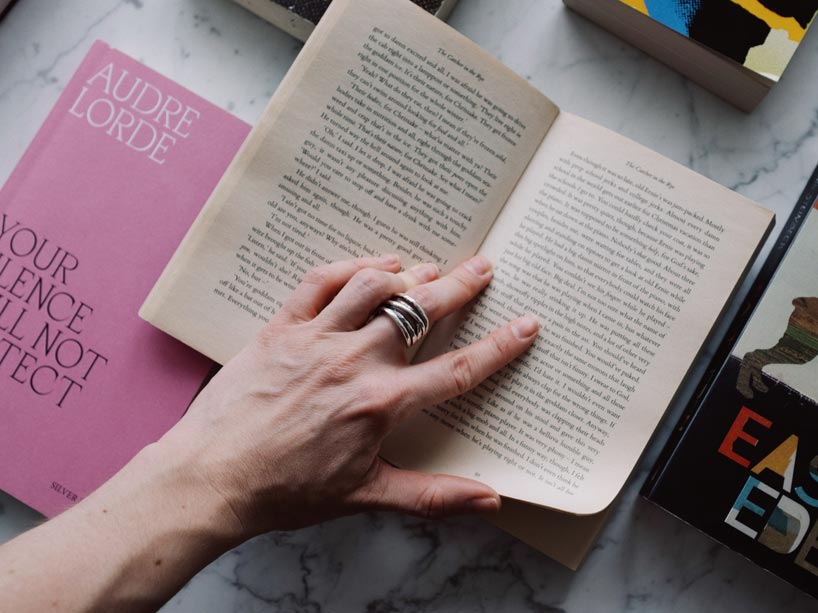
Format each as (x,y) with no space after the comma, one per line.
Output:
(392,133)
(628,259)
(564,537)
(88,218)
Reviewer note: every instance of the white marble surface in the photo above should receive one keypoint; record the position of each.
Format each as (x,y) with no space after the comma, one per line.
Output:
(645,561)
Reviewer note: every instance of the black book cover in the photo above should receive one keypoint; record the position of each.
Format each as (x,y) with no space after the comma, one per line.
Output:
(742,464)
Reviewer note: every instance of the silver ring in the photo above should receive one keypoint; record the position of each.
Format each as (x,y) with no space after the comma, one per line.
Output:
(407,314)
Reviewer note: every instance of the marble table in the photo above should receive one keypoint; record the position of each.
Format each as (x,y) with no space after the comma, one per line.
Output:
(645,560)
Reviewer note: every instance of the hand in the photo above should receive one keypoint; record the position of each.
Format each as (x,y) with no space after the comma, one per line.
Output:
(288,432)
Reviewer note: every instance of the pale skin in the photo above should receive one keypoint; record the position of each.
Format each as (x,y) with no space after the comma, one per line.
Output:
(285,436)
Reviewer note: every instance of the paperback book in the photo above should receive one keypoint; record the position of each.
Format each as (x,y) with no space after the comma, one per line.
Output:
(394,133)
(88,218)
(742,465)
(738,49)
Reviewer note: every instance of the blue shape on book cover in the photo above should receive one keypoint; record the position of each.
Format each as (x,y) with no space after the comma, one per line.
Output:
(761,35)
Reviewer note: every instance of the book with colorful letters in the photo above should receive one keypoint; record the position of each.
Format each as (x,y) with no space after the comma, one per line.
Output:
(742,465)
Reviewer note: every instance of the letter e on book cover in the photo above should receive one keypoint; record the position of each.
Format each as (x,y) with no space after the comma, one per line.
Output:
(88,220)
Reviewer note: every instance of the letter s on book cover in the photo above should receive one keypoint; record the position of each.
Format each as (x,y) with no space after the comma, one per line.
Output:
(89,217)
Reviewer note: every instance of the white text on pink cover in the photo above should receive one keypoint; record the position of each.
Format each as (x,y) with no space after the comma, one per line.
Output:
(134,112)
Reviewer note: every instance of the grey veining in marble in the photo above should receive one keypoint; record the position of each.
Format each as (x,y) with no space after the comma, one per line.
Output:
(646,560)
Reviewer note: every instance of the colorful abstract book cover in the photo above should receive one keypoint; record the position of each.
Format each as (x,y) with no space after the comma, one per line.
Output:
(761,35)
(744,466)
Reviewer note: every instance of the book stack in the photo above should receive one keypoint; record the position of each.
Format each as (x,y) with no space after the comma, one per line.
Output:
(299,17)
(738,49)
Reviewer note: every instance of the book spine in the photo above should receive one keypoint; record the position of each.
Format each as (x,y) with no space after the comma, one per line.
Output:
(445,9)
(282,17)
(802,208)
(5,7)
(287,16)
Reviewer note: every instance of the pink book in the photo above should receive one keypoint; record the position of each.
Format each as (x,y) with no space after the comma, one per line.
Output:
(88,219)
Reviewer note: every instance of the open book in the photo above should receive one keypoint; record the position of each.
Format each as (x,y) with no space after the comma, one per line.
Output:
(394,133)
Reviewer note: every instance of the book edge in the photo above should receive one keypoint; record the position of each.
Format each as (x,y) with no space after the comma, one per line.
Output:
(730,81)
(151,309)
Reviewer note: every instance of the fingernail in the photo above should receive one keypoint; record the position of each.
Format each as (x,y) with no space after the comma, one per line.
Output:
(525,327)
(425,272)
(479,265)
(391,258)
(487,504)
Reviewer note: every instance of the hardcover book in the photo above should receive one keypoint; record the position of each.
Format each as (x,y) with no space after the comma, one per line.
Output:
(394,133)
(88,218)
(298,17)
(736,48)
(742,465)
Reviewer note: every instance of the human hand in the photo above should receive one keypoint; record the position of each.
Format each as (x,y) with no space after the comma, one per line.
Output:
(288,432)
(286,435)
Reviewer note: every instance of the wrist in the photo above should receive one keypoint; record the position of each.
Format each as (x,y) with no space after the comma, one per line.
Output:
(166,477)
(161,521)
(133,543)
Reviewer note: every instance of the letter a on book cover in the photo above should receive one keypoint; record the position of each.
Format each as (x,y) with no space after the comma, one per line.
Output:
(88,219)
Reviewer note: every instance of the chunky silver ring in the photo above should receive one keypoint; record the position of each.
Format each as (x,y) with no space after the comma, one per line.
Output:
(407,315)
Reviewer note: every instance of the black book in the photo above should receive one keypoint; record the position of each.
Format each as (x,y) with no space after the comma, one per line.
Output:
(742,464)
(299,17)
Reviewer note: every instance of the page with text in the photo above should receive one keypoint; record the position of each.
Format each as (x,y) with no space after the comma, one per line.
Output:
(628,259)
(391,134)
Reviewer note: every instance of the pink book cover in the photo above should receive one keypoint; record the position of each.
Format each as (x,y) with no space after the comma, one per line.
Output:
(88,220)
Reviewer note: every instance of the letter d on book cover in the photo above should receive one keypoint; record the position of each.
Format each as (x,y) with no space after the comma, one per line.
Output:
(88,219)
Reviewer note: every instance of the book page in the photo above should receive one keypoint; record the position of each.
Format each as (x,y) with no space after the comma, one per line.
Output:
(627,259)
(392,133)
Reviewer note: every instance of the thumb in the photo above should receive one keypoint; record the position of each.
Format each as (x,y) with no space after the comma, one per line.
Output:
(426,495)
